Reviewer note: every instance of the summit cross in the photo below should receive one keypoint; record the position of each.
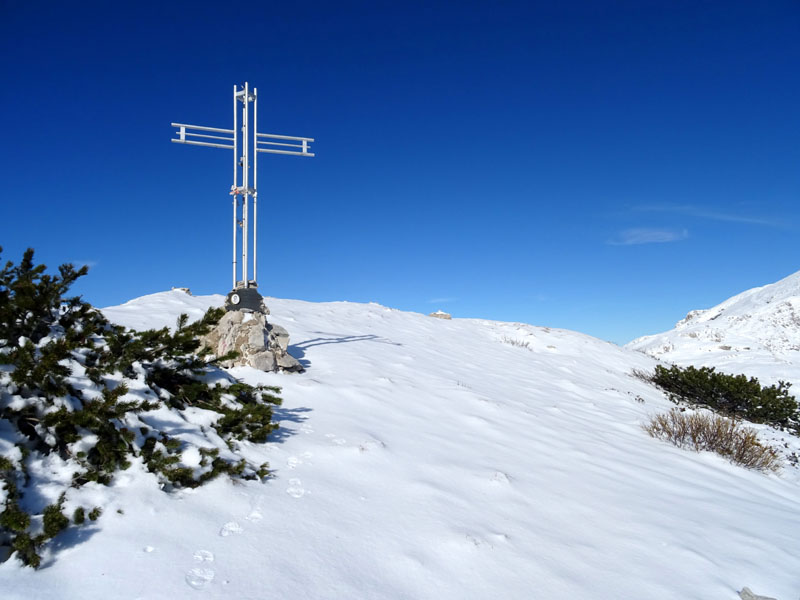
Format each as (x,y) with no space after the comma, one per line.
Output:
(243,141)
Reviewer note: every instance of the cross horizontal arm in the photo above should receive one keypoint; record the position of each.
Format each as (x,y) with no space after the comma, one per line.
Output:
(189,137)
(293,153)
(198,127)
(282,137)
(266,139)
(281,144)
(210,137)
(201,144)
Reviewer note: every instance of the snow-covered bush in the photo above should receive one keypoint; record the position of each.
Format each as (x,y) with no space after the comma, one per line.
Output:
(704,431)
(87,398)
(734,395)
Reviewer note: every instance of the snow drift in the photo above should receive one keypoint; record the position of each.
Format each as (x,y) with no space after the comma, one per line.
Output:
(428,458)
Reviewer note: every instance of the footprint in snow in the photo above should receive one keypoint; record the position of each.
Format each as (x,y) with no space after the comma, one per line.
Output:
(294,461)
(336,440)
(230,528)
(203,556)
(295,489)
(500,478)
(254,516)
(199,577)
(371,444)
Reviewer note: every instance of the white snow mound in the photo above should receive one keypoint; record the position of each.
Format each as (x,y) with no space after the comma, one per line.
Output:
(433,459)
(756,332)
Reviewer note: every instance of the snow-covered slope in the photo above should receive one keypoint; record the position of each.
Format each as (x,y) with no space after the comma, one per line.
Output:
(422,458)
(756,332)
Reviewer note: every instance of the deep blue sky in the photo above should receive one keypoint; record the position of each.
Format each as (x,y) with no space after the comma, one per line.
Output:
(598,166)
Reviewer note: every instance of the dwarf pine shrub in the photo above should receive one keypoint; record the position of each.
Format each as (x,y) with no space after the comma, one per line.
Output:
(48,342)
(715,433)
(516,342)
(733,395)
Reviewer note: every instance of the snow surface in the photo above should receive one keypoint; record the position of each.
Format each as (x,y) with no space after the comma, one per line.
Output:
(426,458)
(756,332)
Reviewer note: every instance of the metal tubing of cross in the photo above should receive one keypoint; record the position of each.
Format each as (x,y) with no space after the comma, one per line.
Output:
(233,139)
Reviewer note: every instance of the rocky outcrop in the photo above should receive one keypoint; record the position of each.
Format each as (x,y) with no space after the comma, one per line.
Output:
(260,344)
(440,314)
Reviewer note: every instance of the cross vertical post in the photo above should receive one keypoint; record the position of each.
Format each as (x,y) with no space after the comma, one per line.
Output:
(244,294)
(255,182)
(235,178)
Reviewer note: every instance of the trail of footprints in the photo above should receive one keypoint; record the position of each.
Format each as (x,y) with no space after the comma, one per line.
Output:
(295,488)
(202,574)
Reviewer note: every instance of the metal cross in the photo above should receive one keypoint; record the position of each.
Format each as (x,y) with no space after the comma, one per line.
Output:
(234,139)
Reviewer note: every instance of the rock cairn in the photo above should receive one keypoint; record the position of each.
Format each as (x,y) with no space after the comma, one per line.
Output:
(260,344)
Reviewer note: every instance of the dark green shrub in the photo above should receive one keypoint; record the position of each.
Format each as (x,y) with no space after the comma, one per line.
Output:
(54,520)
(46,341)
(734,395)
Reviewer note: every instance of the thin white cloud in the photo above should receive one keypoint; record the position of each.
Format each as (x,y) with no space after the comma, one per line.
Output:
(643,235)
(441,300)
(704,213)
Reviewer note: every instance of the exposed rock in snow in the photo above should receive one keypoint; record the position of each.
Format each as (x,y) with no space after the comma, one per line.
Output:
(746,594)
(756,332)
(261,345)
(440,314)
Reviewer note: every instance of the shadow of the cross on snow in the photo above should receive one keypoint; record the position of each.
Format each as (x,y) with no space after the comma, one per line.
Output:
(298,350)
(321,341)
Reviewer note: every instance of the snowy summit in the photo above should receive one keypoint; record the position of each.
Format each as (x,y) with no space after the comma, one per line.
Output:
(756,332)
(445,460)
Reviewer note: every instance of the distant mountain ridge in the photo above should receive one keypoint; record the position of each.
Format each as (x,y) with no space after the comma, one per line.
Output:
(756,332)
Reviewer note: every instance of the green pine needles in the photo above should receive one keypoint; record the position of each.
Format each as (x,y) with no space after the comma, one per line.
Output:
(96,397)
(734,395)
